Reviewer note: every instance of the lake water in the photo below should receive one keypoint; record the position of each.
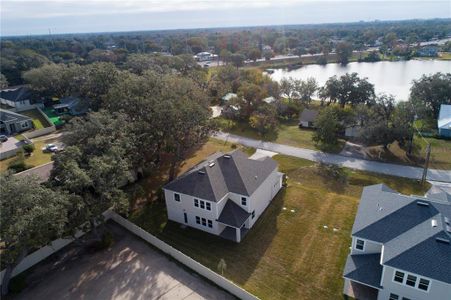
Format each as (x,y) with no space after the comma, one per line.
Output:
(388,77)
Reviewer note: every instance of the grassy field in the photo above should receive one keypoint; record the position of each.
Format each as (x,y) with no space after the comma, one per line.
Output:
(286,255)
(288,133)
(38,119)
(36,159)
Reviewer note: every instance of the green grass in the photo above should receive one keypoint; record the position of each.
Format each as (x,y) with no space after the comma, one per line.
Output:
(286,255)
(54,118)
(288,133)
(445,56)
(38,119)
(37,158)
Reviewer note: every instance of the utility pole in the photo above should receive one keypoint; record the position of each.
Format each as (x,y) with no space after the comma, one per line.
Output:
(426,163)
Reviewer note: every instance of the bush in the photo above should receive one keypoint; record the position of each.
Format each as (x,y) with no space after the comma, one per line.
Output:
(333,172)
(29,148)
(18,164)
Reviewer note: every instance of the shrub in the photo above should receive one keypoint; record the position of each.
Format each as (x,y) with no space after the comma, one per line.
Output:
(18,164)
(333,172)
(29,148)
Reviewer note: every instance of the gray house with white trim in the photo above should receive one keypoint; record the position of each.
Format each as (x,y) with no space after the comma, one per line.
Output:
(12,123)
(224,195)
(401,246)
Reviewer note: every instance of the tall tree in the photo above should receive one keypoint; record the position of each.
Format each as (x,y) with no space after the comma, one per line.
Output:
(31,216)
(429,92)
(344,51)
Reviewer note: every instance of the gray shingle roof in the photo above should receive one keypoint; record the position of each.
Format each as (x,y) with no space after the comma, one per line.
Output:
(16,94)
(309,115)
(233,215)
(364,269)
(9,116)
(233,172)
(404,225)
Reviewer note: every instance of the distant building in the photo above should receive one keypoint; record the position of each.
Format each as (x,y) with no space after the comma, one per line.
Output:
(269,100)
(227,97)
(205,56)
(401,246)
(428,51)
(308,117)
(70,105)
(444,121)
(12,123)
(225,195)
(17,98)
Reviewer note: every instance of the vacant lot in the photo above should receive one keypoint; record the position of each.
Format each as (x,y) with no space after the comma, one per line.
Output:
(288,254)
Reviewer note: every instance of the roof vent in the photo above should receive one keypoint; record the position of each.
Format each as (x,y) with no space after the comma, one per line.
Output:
(434,223)
(422,203)
(228,156)
(201,172)
(211,164)
(442,240)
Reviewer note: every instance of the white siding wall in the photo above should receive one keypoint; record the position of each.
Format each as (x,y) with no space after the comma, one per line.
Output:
(370,247)
(176,212)
(261,198)
(437,290)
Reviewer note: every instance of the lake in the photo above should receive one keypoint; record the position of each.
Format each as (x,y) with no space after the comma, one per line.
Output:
(388,77)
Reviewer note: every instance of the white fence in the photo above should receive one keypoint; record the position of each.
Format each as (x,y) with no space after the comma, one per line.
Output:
(56,245)
(182,258)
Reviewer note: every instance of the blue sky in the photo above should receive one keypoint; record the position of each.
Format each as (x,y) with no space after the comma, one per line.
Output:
(27,17)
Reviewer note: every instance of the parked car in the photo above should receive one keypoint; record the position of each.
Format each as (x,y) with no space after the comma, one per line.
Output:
(50,148)
(3,138)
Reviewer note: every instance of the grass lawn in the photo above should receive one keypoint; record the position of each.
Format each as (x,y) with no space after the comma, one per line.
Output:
(445,55)
(36,159)
(38,119)
(288,133)
(286,255)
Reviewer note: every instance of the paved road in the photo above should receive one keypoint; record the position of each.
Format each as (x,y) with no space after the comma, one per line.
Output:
(349,162)
(130,269)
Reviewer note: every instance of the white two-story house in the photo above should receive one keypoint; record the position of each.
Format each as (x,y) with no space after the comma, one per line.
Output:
(400,246)
(224,195)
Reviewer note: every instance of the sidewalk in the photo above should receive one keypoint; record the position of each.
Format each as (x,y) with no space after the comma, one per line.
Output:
(349,162)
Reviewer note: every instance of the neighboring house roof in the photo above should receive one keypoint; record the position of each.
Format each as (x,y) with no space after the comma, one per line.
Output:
(233,215)
(364,269)
(8,116)
(309,115)
(15,94)
(444,118)
(223,173)
(408,227)
(229,96)
(76,105)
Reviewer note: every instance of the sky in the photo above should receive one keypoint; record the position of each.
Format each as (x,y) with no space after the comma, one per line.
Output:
(30,17)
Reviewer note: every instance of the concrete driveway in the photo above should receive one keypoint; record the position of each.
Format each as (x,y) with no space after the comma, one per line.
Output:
(130,269)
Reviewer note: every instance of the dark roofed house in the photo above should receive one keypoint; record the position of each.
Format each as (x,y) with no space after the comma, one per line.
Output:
(224,195)
(401,246)
(308,117)
(18,98)
(12,123)
(71,105)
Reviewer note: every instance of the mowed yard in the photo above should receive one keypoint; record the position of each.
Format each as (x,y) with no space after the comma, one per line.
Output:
(288,254)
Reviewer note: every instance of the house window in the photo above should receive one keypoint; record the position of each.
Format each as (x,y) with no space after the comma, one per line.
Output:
(196,203)
(243,201)
(405,298)
(197,220)
(399,277)
(204,222)
(253,214)
(424,284)
(177,197)
(208,205)
(202,204)
(210,224)
(359,244)
(411,280)
(393,297)
(25,125)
